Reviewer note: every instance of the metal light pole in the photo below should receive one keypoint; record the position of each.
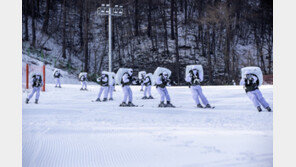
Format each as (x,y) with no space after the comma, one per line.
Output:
(110,39)
(104,10)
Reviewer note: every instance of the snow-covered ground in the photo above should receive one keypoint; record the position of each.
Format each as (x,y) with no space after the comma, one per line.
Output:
(67,129)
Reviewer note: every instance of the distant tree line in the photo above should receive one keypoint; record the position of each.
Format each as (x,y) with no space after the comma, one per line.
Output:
(222,35)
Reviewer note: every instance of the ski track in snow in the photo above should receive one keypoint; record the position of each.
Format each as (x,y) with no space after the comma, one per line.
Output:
(67,129)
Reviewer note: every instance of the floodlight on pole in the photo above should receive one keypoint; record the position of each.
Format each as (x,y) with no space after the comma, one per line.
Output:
(104,10)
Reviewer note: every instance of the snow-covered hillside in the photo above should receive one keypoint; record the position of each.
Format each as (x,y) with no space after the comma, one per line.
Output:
(67,129)
(36,66)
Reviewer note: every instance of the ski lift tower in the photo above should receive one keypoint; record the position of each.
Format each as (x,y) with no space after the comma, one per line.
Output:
(107,10)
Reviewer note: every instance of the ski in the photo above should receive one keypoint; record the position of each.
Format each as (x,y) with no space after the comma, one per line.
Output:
(170,107)
(100,101)
(83,89)
(206,107)
(212,107)
(133,106)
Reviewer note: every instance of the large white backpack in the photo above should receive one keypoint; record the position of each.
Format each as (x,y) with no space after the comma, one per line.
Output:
(119,75)
(252,70)
(158,71)
(199,69)
(81,74)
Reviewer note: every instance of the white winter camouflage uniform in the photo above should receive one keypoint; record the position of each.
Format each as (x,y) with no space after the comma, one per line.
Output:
(104,86)
(83,80)
(147,83)
(37,83)
(161,83)
(193,79)
(57,76)
(251,87)
(111,87)
(126,82)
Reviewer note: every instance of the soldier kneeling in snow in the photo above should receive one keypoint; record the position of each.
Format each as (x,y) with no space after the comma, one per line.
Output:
(194,78)
(250,81)
(161,82)
(104,82)
(36,84)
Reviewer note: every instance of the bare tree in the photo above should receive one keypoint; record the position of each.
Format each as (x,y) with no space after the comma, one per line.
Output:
(177,45)
(64,29)
(172,19)
(33,24)
(85,35)
(26,13)
(45,23)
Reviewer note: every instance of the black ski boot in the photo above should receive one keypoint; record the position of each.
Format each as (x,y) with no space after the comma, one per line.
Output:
(98,99)
(150,97)
(81,88)
(27,100)
(141,90)
(208,106)
(199,106)
(130,104)
(161,104)
(110,98)
(105,99)
(145,97)
(169,104)
(36,101)
(56,86)
(60,87)
(123,104)
(259,109)
(268,109)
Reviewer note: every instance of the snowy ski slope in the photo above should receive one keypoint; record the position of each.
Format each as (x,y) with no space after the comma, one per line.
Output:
(66,129)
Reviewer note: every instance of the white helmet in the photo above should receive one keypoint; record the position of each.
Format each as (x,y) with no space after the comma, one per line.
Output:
(165,74)
(130,71)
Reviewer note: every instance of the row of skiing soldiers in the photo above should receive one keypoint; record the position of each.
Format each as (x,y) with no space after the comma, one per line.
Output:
(252,78)
(161,79)
(125,79)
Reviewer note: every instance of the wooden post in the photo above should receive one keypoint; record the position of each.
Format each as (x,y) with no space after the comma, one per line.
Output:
(43,88)
(27,76)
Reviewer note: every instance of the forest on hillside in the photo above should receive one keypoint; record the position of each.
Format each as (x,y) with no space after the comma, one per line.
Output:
(222,35)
